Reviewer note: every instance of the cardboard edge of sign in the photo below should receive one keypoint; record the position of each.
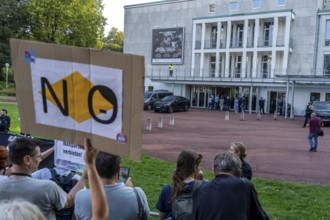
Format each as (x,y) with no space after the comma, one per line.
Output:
(130,143)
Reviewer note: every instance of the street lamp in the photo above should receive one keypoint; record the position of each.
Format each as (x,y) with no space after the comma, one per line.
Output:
(7,65)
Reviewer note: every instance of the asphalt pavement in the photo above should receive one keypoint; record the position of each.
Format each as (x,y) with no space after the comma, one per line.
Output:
(277,147)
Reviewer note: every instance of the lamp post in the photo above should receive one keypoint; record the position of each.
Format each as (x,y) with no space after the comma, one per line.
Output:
(7,65)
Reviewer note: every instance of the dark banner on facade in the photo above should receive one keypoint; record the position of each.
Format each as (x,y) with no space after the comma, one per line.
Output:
(167,46)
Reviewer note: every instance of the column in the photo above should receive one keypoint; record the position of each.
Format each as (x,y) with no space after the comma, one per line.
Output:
(217,56)
(286,43)
(201,70)
(255,51)
(245,37)
(227,46)
(275,31)
(193,54)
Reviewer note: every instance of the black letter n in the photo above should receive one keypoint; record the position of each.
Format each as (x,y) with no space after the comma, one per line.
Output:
(65,109)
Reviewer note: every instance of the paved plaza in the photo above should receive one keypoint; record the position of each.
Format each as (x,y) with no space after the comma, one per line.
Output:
(277,149)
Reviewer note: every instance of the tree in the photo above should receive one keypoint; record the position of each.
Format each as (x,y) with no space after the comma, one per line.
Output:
(114,41)
(70,22)
(12,21)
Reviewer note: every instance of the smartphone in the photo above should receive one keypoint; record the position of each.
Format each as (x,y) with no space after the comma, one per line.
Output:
(123,174)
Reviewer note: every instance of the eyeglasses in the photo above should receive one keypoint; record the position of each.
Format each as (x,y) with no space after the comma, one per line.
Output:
(39,157)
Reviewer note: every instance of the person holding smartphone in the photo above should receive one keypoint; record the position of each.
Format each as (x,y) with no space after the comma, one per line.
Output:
(122,198)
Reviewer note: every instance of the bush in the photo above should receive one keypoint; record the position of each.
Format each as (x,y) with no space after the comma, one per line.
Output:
(10,91)
(10,75)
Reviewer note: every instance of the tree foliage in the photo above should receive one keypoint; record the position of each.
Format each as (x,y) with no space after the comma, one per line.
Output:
(12,23)
(114,40)
(70,22)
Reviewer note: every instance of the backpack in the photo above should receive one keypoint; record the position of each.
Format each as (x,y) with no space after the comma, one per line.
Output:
(66,183)
(183,204)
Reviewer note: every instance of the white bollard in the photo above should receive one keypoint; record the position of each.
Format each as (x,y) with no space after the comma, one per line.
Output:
(242,115)
(149,125)
(258,116)
(275,115)
(160,121)
(172,119)
(227,116)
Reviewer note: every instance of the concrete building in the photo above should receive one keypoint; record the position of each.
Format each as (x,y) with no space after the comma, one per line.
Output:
(275,49)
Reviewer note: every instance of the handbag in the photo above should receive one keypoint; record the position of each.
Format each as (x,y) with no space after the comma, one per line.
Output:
(320,132)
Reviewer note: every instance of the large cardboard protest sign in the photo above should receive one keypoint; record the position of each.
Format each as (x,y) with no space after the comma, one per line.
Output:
(69,93)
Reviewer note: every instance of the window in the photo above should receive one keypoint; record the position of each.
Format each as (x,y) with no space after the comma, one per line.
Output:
(281,2)
(211,8)
(326,64)
(150,88)
(233,6)
(256,4)
(327,96)
(327,34)
(315,96)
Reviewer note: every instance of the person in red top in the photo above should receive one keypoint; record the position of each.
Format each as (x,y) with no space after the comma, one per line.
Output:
(314,125)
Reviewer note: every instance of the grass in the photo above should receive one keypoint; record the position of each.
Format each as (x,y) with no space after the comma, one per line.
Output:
(281,200)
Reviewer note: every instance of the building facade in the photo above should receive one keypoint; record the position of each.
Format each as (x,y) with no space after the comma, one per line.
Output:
(275,49)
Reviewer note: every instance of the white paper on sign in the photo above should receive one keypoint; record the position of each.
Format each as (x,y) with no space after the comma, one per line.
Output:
(68,156)
(77,96)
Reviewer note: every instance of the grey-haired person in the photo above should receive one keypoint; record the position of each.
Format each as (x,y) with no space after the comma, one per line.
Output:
(227,196)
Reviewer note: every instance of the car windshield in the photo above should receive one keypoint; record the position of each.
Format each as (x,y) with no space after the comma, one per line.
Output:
(147,95)
(322,106)
(168,99)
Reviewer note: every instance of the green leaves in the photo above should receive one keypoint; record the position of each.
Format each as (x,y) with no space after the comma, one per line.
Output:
(70,22)
(114,40)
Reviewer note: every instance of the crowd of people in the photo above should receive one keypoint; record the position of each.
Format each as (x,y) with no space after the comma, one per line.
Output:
(29,193)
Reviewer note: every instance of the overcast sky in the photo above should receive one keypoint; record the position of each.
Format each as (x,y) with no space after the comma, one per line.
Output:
(114,12)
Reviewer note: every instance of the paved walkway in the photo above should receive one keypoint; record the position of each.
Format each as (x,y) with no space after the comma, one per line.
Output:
(277,149)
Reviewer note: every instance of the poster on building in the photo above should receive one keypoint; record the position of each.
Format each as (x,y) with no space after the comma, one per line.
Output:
(69,93)
(167,45)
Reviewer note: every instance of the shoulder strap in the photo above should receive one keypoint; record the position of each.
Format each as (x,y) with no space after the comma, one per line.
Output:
(197,183)
(70,175)
(139,202)
(53,172)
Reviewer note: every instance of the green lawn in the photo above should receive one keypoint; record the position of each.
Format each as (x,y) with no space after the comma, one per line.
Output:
(281,200)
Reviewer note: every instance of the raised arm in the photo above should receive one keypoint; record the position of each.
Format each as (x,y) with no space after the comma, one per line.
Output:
(100,209)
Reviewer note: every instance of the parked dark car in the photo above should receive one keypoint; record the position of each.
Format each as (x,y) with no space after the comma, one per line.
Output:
(171,104)
(150,97)
(322,110)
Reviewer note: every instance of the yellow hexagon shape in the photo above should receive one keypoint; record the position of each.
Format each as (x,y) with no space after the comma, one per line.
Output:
(78,88)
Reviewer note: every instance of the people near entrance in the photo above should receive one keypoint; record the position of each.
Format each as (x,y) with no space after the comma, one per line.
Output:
(216,102)
(227,196)
(314,125)
(171,69)
(262,105)
(211,103)
(4,121)
(228,103)
(222,103)
(308,112)
(236,105)
(183,179)
(280,105)
(242,103)
(238,148)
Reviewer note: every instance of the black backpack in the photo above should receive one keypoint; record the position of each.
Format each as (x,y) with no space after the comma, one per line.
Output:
(66,183)
(183,204)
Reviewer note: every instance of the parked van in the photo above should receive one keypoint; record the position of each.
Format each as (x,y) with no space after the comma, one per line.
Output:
(153,96)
